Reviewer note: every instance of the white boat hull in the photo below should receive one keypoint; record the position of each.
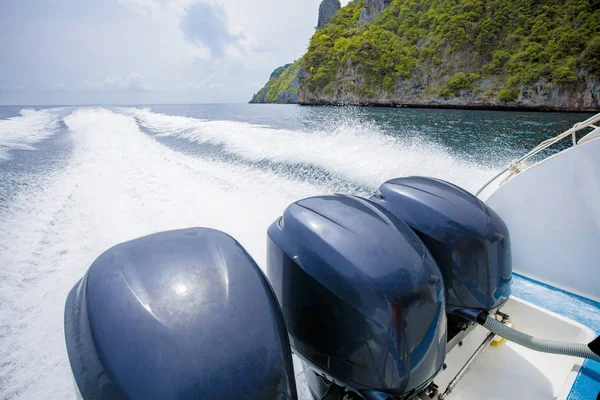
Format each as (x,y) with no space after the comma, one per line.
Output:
(553,213)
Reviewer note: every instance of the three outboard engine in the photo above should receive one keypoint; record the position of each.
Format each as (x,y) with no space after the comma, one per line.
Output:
(366,292)
(362,297)
(177,315)
(469,241)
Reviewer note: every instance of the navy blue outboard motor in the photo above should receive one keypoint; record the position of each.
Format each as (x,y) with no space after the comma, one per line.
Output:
(469,241)
(362,298)
(177,315)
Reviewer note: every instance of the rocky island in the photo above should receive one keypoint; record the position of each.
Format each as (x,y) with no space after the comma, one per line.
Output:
(508,54)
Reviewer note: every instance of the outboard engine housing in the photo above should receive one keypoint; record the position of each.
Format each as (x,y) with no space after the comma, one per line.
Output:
(362,297)
(177,315)
(469,241)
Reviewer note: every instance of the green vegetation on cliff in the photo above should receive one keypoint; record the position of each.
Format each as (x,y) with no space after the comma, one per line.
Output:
(450,46)
(282,86)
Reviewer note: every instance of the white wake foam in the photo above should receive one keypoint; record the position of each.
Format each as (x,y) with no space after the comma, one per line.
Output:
(349,147)
(120,184)
(22,131)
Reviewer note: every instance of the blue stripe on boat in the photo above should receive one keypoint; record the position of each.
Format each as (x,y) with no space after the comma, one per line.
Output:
(577,308)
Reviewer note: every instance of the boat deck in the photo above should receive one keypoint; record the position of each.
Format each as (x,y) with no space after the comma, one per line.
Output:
(510,371)
(576,308)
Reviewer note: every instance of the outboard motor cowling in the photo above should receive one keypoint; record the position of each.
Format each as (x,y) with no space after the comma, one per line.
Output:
(362,297)
(178,315)
(469,241)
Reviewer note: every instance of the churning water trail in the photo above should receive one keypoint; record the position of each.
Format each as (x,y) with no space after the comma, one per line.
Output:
(21,132)
(118,183)
(349,148)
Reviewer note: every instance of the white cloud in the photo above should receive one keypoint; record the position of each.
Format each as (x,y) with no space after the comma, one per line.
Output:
(132,82)
(158,8)
(206,23)
(237,45)
(205,85)
(206,82)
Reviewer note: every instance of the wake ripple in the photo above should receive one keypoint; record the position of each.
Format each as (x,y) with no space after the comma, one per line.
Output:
(21,132)
(350,149)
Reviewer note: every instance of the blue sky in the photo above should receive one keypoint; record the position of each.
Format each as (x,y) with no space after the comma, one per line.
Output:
(146,51)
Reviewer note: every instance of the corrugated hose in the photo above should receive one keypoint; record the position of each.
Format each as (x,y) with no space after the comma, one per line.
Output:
(541,345)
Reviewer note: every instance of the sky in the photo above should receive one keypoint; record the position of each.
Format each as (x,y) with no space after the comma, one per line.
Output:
(63,52)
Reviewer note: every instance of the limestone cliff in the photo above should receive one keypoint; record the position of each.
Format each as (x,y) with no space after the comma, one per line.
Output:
(372,10)
(514,54)
(327,9)
(484,94)
(282,87)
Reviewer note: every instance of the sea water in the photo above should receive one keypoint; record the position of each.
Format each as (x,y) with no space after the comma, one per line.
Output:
(75,181)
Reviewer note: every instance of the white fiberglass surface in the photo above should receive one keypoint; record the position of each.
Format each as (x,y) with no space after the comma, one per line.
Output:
(551,210)
(510,371)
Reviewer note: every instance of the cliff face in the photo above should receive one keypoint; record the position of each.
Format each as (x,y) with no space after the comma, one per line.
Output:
(327,9)
(457,53)
(284,82)
(372,10)
(282,87)
(484,94)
